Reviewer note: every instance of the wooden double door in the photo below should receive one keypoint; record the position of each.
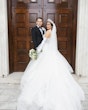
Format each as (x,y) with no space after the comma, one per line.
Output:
(22,16)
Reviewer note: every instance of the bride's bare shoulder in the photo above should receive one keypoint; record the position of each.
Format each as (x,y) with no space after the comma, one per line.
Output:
(48,33)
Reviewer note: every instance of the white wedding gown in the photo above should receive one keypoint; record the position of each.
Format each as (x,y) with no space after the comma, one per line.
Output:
(47,83)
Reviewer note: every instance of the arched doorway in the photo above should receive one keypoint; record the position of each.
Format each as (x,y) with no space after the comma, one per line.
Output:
(22,16)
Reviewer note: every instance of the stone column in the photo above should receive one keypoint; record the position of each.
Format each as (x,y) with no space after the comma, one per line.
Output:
(82,39)
(4,57)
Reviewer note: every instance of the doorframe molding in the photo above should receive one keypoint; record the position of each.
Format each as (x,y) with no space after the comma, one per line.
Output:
(74,32)
(10,36)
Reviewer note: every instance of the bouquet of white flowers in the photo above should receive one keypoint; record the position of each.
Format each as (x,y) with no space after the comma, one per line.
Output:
(33,54)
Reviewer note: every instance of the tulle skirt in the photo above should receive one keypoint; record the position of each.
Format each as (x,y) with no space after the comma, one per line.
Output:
(47,84)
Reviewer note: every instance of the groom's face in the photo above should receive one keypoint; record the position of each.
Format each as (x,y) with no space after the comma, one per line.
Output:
(39,22)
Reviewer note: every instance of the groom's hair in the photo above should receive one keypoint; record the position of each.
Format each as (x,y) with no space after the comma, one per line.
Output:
(39,18)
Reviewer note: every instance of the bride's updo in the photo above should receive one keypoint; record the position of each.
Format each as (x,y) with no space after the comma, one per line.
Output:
(50,21)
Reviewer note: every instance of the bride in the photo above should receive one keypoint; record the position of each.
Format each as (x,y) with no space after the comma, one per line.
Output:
(47,83)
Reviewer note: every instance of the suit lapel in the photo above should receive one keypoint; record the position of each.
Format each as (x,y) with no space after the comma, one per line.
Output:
(39,30)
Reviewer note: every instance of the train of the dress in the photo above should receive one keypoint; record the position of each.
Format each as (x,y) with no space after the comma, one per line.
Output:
(47,84)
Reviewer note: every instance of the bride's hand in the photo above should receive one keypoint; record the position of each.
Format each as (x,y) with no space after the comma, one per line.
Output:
(38,51)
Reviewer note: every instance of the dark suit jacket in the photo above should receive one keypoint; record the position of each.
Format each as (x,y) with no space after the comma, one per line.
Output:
(36,36)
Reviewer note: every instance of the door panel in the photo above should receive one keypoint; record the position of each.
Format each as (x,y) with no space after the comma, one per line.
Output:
(64,26)
(49,10)
(21,39)
(35,4)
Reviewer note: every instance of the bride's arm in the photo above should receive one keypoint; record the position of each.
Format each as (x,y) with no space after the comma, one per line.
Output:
(46,36)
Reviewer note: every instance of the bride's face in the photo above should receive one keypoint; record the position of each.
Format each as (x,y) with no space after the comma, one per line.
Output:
(48,26)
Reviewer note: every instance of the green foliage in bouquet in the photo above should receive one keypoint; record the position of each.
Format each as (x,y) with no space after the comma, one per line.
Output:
(33,54)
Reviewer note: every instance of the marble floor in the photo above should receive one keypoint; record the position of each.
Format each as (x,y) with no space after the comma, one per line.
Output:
(9,90)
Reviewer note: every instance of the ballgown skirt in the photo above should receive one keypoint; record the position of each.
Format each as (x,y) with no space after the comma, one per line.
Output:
(47,84)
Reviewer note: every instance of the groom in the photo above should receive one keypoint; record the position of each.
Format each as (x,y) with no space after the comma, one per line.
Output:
(37,32)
